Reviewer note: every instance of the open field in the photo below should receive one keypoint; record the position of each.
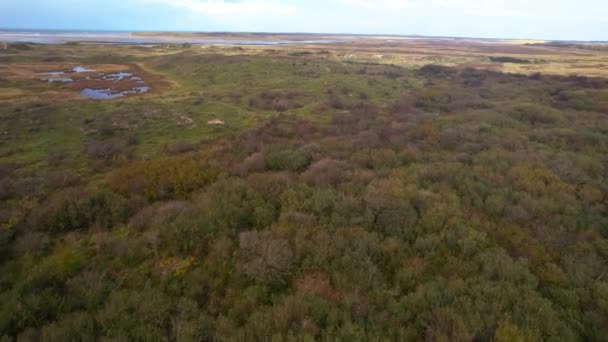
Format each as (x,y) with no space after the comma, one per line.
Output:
(381,188)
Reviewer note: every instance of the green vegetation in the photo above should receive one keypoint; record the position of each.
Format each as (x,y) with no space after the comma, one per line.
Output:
(507,59)
(337,202)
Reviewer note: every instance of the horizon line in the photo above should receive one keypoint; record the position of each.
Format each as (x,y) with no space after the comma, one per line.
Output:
(34,30)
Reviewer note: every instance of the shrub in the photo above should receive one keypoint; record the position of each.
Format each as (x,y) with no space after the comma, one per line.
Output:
(436,70)
(78,326)
(232,204)
(141,315)
(506,59)
(535,114)
(77,208)
(178,147)
(289,160)
(158,214)
(61,179)
(6,170)
(105,150)
(433,99)
(254,163)
(324,172)
(33,243)
(265,256)
(336,102)
(389,207)
(162,178)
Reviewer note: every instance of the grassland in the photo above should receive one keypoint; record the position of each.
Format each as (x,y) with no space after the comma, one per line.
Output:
(210,82)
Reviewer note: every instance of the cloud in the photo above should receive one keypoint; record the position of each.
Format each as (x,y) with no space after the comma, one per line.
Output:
(242,8)
(376,4)
(436,7)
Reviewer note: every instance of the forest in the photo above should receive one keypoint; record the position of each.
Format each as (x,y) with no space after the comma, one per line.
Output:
(329,201)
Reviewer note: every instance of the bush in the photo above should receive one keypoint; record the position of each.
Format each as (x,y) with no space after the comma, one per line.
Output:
(141,315)
(78,326)
(233,205)
(289,160)
(162,178)
(178,147)
(337,102)
(61,179)
(433,99)
(76,208)
(535,114)
(265,256)
(506,59)
(106,150)
(254,163)
(324,172)
(436,70)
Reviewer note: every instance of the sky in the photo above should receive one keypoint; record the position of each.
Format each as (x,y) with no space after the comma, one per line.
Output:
(539,19)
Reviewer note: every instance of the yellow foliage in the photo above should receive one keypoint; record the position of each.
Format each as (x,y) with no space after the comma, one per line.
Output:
(155,179)
(175,266)
(508,332)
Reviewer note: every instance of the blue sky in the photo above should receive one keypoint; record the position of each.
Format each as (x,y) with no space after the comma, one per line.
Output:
(543,19)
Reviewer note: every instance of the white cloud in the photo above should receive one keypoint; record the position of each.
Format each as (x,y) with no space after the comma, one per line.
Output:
(243,8)
(434,7)
(377,4)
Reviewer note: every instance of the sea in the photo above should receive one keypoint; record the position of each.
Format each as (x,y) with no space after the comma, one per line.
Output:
(108,37)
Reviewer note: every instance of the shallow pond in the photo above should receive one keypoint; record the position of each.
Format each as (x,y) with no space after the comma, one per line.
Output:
(98,85)
(107,94)
(119,76)
(60,80)
(80,69)
(100,94)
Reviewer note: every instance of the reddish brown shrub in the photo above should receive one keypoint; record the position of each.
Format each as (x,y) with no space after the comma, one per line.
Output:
(178,147)
(317,283)
(254,163)
(106,150)
(324,172)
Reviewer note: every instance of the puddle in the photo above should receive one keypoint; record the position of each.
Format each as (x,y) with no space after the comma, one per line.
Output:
(99,85)
(119,76)
(107,94)
(100,94)
(60,80)
(137,90)
(80,69)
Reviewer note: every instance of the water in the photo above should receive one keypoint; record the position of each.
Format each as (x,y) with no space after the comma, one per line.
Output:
(137,90)
(117,76)
(100,94)
(107,94)
(142,89)
(60,80)
(58,37)
(80,69)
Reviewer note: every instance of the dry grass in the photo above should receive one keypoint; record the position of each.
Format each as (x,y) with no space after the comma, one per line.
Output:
(413,52)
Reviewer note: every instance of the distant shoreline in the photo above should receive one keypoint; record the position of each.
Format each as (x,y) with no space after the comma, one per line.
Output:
(228,38)
(90,37)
